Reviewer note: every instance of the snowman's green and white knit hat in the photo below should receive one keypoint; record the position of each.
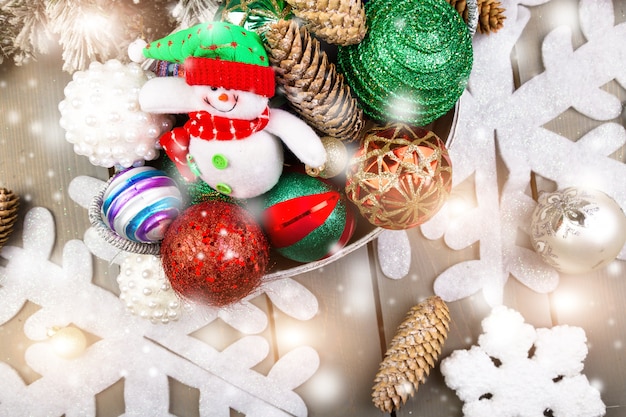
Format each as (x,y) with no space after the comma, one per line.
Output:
(218,54)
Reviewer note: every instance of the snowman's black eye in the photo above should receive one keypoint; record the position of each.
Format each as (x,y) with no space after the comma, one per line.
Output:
(213,88)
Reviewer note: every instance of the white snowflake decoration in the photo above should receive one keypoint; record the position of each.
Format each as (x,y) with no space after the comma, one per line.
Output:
(494,116)
(517,371)
(394,253)
(142,353)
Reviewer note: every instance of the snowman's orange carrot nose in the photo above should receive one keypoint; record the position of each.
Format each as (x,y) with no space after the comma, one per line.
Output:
(223,97)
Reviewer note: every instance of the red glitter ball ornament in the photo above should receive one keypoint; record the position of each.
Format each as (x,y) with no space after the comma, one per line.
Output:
(400,176)
(214,253)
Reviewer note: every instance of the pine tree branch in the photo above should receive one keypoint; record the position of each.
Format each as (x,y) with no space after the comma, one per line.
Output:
(192,12)
(22,31)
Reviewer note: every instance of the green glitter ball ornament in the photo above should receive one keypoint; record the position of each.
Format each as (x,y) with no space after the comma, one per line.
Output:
(413,64)
(305,218)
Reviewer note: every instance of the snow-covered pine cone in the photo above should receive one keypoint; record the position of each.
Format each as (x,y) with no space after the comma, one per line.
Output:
(490,14)
(311,83)
(9,203)
(339,22)
(412,353)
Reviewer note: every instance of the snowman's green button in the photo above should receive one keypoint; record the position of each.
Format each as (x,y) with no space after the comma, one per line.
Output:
(223,188)
(219,161)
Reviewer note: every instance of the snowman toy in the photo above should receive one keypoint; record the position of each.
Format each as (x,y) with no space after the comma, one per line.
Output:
(231,140)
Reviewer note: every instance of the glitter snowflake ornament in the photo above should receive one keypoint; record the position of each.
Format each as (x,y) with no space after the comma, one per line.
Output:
(497,122)
(519,371)
(146,291)
(102,117)
(145,355)
(394,253)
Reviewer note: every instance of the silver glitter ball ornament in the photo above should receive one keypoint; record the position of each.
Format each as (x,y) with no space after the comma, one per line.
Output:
(577,230)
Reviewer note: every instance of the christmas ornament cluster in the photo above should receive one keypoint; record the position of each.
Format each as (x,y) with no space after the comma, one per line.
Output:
(241,141)
(271,147)
(274,131)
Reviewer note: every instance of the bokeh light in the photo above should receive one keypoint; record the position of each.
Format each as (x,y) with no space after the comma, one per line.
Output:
(565,302)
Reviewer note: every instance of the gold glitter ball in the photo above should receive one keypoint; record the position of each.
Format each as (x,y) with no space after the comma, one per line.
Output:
(336,159)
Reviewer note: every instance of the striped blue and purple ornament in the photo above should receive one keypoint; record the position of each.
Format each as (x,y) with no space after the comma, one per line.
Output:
(140,203)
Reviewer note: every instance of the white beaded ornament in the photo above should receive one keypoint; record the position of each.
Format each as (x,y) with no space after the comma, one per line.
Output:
(146,291)
(103,119)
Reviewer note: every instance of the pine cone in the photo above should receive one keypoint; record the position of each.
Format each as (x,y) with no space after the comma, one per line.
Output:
(311,83)
(412,353)
(490,14)
(9,204)
(340,22)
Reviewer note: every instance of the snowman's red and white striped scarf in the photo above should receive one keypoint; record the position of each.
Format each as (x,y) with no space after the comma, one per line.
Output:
(206,126)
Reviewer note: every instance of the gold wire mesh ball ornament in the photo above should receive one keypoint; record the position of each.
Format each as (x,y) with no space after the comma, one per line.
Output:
(400,176)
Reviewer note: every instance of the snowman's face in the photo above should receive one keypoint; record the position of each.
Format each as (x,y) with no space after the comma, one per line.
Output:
(233,104)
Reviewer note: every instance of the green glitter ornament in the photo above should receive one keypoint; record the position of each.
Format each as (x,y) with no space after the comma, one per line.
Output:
(413,64)
(305,218)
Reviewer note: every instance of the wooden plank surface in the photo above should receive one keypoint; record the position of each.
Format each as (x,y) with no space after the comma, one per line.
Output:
(38,164)
(345,334)
(359,308)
